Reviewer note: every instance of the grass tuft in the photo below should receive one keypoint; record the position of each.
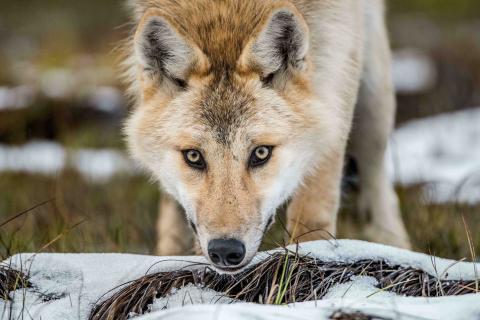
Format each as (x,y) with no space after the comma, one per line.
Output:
(11,280)
(344,315)
(302,278)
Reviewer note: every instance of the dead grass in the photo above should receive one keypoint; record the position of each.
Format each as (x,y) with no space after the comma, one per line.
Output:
(119,217)
(306,279)
(11,280)
(345,315)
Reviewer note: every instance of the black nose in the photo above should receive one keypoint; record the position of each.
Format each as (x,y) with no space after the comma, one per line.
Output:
(226,252)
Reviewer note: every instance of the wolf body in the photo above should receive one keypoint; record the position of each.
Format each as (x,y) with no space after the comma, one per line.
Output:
(243,105)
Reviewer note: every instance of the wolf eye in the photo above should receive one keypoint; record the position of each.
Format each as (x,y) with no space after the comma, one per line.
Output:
(260,156)
(194,159)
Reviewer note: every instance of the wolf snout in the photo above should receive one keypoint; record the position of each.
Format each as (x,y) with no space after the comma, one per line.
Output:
(226,253)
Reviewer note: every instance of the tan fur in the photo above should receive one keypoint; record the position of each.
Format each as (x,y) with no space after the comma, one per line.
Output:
(172,229)
(225,111)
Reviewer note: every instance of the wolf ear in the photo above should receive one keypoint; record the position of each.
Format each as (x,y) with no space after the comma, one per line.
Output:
(162,51)
(282,43)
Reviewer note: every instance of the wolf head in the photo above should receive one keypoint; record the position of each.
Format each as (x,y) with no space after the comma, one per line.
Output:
(226,118)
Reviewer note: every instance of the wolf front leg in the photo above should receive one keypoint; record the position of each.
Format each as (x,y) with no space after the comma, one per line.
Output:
(372,125)
(312,213)
(174,237)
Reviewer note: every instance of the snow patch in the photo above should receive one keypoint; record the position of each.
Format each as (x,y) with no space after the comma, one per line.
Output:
(358,287)
(74,283)
(189,295)
(49,158)
(100,165)
(413,71)
(441,151)
(34,157)
(16,97)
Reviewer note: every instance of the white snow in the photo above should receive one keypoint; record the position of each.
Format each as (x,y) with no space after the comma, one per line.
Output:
(413,71)
(35,157)
(358,287)
(16,97)
(401,308)
(49,158)
(101,164)
(58,84)
(188,295)
(442,151)
(107,99)
(78,281)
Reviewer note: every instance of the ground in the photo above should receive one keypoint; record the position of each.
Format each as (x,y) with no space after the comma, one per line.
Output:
(66,286)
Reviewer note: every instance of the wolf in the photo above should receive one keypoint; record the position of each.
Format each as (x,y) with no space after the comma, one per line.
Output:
(242,106)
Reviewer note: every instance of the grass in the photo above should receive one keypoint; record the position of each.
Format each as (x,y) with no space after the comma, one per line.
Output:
(345,315)
(302,278)
(11,280)
(119,216)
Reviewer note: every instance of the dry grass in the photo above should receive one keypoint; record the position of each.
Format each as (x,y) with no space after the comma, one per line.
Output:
(118,217)
(307,279)
(344,315)
(11,280)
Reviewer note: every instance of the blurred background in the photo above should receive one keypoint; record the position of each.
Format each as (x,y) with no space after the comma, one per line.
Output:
(67,184)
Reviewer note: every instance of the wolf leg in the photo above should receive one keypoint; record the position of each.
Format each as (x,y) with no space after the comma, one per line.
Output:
(372,125)
(312,213)
(174,237)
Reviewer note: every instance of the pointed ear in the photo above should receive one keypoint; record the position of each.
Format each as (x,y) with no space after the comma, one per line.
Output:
(281,44)
(162,51)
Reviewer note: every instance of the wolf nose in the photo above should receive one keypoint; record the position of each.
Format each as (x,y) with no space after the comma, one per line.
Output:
(226,252)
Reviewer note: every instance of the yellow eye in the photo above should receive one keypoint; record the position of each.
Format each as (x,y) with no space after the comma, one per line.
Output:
(262,153)
(194,159)
(260,156)
(193,156)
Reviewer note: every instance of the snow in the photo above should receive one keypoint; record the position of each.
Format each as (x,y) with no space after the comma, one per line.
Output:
(442,151)
(413,71)
(450,308)
(106,99)
(59,85)
(16,97)
(188,295)
(35,157)
(49,158)
(78,281)
(358,287)
(101,164)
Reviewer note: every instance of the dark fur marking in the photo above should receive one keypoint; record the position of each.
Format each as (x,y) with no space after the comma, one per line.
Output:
(225,109)
(281,46)
(289,41)
(155,50)
(194,228)
(158,53)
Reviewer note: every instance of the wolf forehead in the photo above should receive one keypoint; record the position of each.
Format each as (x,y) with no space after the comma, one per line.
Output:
(225,107)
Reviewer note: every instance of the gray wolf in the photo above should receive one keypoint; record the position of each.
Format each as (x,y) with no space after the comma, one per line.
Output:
(243,105)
